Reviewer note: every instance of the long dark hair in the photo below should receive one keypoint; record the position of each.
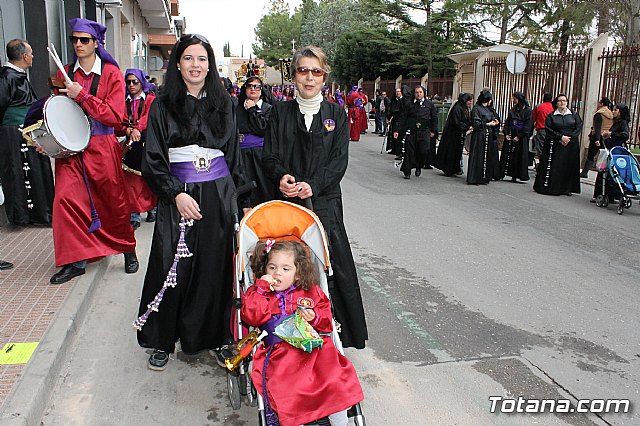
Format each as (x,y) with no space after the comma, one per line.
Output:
(174,90)
(624,112)
(306,273)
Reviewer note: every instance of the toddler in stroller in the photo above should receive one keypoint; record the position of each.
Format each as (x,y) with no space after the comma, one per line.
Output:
(297,386)
(619,180)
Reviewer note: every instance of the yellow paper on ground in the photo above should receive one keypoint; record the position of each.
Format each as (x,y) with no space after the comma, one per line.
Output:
(17,353)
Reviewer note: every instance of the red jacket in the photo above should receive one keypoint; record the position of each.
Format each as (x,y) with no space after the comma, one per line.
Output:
(540,114)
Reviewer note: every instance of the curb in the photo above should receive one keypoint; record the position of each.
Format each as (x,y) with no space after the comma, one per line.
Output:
(26,404)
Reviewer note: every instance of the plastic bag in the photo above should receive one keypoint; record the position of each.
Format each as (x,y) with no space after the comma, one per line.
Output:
(601,160)
(297,332)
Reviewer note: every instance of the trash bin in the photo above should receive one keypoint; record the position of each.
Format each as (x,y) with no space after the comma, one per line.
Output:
(443,112)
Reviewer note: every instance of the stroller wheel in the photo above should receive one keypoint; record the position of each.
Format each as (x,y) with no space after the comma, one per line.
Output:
(627,203)
(599,200)
(605,201)
(621,205)
(233,389)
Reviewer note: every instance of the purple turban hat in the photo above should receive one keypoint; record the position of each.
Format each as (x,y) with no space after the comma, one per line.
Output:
(140,75)
(96,30)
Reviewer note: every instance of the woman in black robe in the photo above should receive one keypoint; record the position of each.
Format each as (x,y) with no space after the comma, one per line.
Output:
(191,161)
(514,159)
(252,116)
(458,125)
(559,169)
(306,151)
(483,154)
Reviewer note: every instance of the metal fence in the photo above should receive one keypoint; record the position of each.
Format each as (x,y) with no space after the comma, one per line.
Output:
(620,82)
(553,73)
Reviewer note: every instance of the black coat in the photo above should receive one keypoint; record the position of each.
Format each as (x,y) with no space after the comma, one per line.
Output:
(24,203)
(452,141)
(559,168)
(197,310)
(319,157)
(514,158)
(483,154)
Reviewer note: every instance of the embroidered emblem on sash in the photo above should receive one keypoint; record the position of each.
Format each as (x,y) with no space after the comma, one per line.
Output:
(241,138)
(201,162)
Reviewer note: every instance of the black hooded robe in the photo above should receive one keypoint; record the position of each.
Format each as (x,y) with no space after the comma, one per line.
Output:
(483,155)
(197,310)
(254,121)
(514,158)
(319,157)
(559,169)
(28,193)
(452,141)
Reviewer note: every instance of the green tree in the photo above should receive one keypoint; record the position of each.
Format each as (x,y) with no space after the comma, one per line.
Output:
(276,33)
(226,50)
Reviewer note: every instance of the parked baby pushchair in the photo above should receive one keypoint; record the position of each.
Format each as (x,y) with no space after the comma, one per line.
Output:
(620,180)
(274,220)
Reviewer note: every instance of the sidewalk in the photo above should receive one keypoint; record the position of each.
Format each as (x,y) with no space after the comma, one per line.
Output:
(28,307)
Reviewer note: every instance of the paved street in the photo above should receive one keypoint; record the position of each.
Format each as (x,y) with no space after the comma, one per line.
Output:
(470,292)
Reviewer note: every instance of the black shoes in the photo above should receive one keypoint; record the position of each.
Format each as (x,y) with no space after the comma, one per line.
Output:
(65,274)
(131,264)
(407,175)
(460,173)
(158,360)
(135,224)
(418,172)
(151,216)
(5,265)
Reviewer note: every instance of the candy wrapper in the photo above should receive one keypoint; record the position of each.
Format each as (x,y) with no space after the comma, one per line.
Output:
(296,331)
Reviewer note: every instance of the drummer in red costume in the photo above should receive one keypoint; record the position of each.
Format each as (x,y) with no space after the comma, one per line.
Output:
(90,211)
(138,103)
(354,102)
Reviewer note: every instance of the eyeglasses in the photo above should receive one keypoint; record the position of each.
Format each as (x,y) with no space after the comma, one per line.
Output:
(83,40)
(198,37)
(316,72)
(134,82)
(254,86)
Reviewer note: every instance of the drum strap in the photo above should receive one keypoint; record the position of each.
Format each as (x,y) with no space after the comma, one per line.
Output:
(130,112)
(94,82)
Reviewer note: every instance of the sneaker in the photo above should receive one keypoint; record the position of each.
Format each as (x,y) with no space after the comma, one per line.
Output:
(222,353)
(158,360)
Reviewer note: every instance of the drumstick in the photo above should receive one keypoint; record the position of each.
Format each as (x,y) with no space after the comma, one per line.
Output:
(56,59)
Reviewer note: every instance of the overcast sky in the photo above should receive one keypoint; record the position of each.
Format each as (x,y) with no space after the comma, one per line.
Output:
(226,20)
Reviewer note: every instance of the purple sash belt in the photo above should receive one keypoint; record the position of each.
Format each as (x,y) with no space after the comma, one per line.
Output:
(270,327)
(99,129)
(249,140)
(188,173)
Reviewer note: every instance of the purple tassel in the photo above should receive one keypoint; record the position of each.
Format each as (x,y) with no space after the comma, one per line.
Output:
(182,250)
(95,220)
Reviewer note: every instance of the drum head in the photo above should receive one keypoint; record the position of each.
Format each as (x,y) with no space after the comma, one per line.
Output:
(67,123)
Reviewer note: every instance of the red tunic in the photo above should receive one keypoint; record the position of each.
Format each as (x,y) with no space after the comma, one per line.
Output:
(71,209)
(364,121)
(354,117)
(302,386)
(139,195)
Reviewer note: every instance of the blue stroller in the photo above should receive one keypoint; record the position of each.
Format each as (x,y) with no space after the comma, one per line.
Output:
(621,180)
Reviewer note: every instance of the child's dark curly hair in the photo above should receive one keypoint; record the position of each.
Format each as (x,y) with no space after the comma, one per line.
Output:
(306,273)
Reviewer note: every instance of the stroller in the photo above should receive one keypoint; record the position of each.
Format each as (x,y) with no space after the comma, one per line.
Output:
(279,220)
(621,180)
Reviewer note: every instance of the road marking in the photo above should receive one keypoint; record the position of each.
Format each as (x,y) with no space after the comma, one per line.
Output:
(407,318)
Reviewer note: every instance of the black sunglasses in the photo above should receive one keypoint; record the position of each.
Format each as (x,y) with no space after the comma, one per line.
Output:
(254,86)
(316,72)
(188,37)
(83,40)
(136,81)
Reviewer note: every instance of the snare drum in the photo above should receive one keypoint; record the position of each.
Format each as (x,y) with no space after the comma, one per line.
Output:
(60,127)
